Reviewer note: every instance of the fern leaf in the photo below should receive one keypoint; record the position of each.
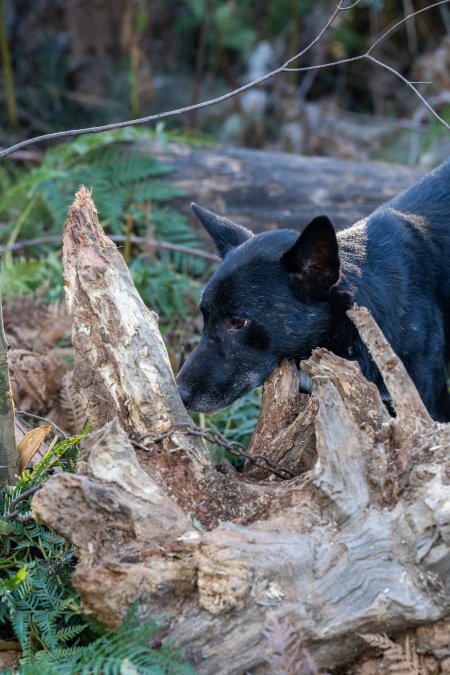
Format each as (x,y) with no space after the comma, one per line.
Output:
(69,408)
(378,641)
(289,657)
(70,632)
(400,659)
(20,625)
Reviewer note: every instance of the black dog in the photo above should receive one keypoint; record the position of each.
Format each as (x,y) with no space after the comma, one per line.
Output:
(278,294)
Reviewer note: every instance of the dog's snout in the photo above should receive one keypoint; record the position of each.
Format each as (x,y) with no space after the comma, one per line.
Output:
(184,392)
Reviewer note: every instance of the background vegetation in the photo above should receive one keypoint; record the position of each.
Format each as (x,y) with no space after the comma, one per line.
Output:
(78,63)
(72,64)
(40,613)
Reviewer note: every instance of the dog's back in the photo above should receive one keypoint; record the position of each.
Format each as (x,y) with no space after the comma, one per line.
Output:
(397,263)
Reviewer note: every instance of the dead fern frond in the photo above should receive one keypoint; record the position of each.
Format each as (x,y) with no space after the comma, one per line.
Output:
(289,657)
(35,378)
(68,411)
(36,325)
(378,641)
(398,659)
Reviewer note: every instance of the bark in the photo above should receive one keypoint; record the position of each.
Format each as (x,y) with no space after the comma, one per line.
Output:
(359,543)
(121,369)
(264,190)
(285,431)
(9,456)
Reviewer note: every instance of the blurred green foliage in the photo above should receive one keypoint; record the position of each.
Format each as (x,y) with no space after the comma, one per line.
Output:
(130,191)
(67,77)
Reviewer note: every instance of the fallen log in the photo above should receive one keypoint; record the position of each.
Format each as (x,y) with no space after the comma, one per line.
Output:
(359,542)
(263,190)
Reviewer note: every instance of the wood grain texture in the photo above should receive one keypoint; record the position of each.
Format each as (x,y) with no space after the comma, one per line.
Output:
(359,543)
(264,190)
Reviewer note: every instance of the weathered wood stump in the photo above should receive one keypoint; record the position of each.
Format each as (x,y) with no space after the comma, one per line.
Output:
(358,543)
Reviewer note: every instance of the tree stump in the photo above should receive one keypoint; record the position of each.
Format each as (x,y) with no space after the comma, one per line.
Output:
(358,542)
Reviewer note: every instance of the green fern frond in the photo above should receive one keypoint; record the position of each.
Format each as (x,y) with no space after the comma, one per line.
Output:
(118,173)
(113,653)
(25,275)
(39,605)
(70,632)
(154,190)
(126,184)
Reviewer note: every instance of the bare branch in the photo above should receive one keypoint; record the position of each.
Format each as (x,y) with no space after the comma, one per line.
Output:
(411,86)
(32,416)
(153,243)
(402,21)
(330,64)
(368,55)
(328,24)
(249,85)
(142,120)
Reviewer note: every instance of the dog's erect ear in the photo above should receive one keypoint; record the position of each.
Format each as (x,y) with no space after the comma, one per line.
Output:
(225,234)
(313,261)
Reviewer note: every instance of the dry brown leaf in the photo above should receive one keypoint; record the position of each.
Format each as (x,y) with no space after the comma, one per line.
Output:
(35,325)
(30,444)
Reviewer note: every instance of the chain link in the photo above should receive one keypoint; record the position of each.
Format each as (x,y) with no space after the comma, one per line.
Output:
(213,436)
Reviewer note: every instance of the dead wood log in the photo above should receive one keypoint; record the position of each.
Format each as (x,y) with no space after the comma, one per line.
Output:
(285,431)
(264,190)
(121,369)
(409,407)
(360,543)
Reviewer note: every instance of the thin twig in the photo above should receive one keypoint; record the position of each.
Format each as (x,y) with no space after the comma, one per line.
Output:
(43,419)
(172,113)
(155,243)
(339,8)
(368,55)
(213,436)
(281,69)
(17,516)
(13,514)
(411,86)
(23,496)
(403,20)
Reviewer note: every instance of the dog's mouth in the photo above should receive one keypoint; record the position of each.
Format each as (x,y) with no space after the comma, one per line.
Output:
(210,400)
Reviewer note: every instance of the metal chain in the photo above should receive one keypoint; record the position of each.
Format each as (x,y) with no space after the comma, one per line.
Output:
(213,436)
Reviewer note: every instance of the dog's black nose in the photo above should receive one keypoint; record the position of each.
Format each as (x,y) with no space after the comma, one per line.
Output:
(185,393)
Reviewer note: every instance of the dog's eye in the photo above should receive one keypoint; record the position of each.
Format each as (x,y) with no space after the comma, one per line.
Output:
(235,323)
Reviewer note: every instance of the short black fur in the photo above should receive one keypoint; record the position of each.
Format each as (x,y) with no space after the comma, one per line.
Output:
(279,294)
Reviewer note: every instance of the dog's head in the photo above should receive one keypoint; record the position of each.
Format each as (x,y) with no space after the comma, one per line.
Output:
(267,301)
